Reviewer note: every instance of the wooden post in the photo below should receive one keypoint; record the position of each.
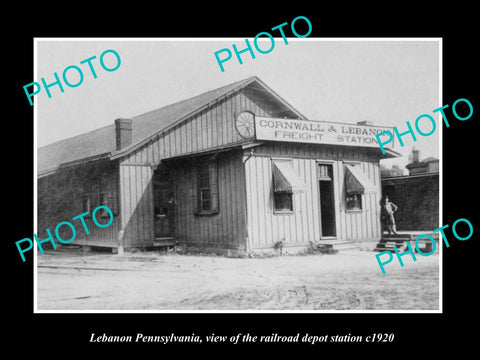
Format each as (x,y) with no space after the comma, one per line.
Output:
(120,242)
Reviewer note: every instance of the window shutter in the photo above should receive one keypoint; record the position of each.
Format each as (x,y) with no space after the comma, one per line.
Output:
(213,170)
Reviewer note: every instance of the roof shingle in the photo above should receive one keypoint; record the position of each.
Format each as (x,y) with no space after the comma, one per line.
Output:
(102,141)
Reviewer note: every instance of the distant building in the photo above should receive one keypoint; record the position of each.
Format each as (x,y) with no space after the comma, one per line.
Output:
(427,166)
(416,195)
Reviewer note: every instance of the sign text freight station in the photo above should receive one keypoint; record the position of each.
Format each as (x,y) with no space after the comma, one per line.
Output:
(315,132)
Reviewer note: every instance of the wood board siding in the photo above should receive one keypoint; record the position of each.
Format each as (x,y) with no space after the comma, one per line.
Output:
(136,199)
(60,199)
(210,129)
(227,228)
(303,225)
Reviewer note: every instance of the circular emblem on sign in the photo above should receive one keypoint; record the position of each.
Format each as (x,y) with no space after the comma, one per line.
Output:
(244,123)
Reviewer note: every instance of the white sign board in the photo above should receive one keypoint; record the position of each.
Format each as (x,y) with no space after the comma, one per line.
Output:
(319,132)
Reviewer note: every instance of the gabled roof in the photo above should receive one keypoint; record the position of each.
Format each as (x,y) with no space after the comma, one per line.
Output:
(101,143)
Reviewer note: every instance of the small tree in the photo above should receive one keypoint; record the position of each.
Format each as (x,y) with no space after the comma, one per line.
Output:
(390,172)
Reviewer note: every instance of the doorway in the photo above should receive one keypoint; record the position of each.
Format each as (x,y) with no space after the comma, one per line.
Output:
(163,203)
(327,200)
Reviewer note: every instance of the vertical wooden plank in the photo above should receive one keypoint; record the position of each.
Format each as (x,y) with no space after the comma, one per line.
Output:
(156,151)
(223,124)
(309,221)
(377,200)
(144,197)
(240,201)
(212,116)
(261,179)
(229,116)
(248,200)
(368,202)
(336,198)
(194,134)
(152,146)
(131,200)
(146,202)
(162,147)
(199,132)
(230,186)
(341,191)
(235,217)
(254,199)
(227,120)
(150,212)
(143,202)
(271,219)
(298,165)
(268,200)
(221,219)
(218,124)
(350,225)
(171,142)
(187,137)
(372,206)
(205,131)
(178,139)
(248,179)
(364,210)
(309,202)
(168,147)
(138,208)
(260,200)
(316,202)
(184,182)
(125,203)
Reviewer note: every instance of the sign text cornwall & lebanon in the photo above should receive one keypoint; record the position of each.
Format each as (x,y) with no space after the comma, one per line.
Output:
(317,132)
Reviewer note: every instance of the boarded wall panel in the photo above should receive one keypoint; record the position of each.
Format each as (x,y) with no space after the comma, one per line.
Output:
(222,230)
(304,224)
(137,204)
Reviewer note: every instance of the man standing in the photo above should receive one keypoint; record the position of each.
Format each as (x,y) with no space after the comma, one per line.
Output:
(388,220)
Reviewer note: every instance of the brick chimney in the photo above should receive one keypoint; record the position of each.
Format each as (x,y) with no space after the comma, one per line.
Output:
(123,133)
(415,156)
(365,122)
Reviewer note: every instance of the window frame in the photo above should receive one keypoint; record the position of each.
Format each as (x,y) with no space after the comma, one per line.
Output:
(362,196)
(87,207)
(210,166)
(290,194)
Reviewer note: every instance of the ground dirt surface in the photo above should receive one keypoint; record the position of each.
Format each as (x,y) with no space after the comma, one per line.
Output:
(68,279)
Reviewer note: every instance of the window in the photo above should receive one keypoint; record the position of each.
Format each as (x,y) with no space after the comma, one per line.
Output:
(357,183)
(353,201)
(86,203)
(207,188)
(97,191)
(285,183)
(104,201)
(283,201)
(205,196)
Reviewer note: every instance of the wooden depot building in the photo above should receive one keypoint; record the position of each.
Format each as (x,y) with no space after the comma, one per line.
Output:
(235,170)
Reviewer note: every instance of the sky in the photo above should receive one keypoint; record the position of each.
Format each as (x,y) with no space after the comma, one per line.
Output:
(385,81)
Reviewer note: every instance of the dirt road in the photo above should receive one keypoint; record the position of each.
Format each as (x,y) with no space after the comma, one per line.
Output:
(349,280)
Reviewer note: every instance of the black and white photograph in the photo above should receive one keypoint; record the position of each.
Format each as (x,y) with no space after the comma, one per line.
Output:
(260,188)
(214,181)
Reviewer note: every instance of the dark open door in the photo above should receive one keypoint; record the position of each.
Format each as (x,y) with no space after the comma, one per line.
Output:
(164,203)
(327,200)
